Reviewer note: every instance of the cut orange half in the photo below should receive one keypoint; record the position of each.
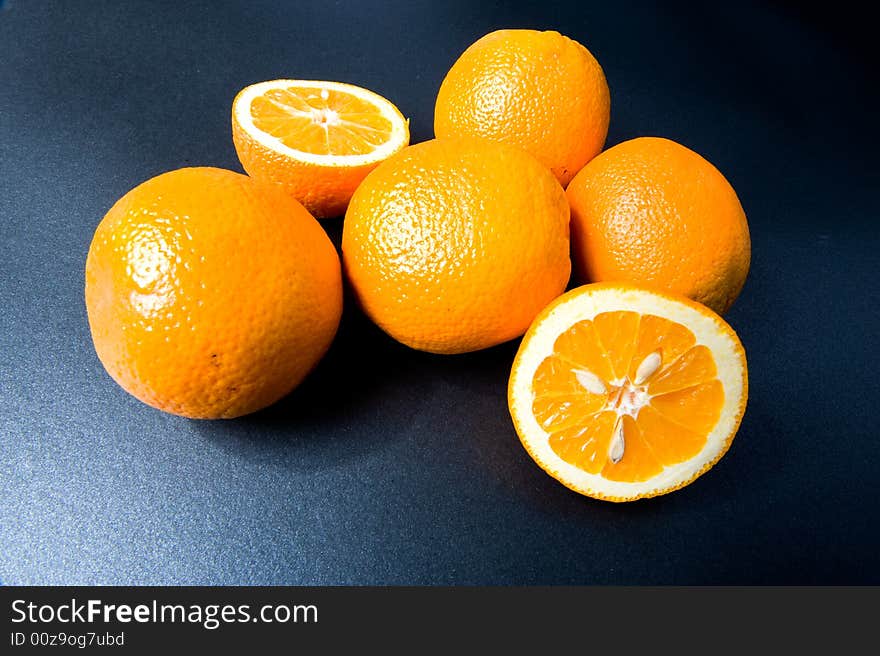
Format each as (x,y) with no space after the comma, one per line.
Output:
(317,139)
(621,393)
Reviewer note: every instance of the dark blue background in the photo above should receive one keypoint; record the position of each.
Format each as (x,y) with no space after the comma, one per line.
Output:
(393,466)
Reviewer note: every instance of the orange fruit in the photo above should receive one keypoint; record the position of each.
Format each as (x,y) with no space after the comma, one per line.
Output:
(620,392)
(653,212)
(210,295)
(540,91)
(455,245)
(316,139)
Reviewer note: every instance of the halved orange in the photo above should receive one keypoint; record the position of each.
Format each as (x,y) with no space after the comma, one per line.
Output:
(620,392)
(317,139)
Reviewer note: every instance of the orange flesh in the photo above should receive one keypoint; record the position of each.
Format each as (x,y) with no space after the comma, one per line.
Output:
(588,395)
(321,121)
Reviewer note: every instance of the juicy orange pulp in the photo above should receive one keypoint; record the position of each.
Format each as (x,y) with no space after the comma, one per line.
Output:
(627,394)
(321,121)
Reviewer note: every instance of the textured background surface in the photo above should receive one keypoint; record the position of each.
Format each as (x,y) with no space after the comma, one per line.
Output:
(392,466)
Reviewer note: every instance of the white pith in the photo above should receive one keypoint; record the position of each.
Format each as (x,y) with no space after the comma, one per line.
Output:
(397,139)
(625,398)
(586,306)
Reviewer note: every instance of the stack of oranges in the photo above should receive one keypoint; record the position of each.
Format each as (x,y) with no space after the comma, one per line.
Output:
(212,294)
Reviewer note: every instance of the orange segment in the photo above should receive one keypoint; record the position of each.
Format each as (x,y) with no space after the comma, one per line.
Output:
(632,396)
(562,398)
(670,442)
(585,446)
(580,345)
(639,463)
(660,335)
(694,367)
(556,413)
(696,408)
(617,331)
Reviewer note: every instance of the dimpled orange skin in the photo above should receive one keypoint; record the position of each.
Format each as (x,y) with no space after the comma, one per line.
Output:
(454,245)
(540,91)
(651,211)
(210,295)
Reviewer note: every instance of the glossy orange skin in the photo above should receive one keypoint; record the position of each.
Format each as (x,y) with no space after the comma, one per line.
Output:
(540,91)
(210,295)
(653,212)
(454,245)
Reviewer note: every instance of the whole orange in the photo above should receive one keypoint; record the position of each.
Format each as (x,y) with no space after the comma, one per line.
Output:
(210,295)
(651,211)
(540,91)
(455,245)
